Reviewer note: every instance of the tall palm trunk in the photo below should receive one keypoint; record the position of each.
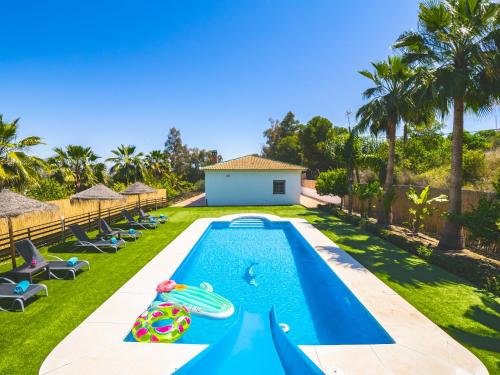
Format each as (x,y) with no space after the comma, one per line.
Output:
(389,177)
(452,237)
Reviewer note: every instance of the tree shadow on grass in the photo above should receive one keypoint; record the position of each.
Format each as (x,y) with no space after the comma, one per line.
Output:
(16,307)
(379,256)
(486,335)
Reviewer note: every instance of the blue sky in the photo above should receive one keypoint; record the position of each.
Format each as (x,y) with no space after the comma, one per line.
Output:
(102,73)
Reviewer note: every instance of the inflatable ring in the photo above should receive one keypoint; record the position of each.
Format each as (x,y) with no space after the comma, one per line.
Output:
(166,286)
(175,321)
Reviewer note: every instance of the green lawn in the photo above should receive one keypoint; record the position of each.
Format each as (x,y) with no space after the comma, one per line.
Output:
(469,315)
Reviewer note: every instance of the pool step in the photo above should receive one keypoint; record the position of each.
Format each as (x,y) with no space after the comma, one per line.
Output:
(248,223)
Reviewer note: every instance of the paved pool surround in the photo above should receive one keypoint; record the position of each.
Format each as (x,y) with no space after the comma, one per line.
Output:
(96,346)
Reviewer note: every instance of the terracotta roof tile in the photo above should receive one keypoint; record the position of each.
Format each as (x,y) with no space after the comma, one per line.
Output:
(251,162)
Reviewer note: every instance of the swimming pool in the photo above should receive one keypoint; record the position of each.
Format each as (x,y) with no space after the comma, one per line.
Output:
(258,264)
(419,345)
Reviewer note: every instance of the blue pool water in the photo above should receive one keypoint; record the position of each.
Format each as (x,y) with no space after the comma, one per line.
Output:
(289,275)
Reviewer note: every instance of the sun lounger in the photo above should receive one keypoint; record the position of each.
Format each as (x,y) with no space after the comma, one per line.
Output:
(144,224)
(143,215)
(7,291)
(107,231)
(82,240)
(29,252)
(147,217)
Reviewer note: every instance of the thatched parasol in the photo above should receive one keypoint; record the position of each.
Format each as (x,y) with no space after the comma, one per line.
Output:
(12,205)
(138,188)
(98,193)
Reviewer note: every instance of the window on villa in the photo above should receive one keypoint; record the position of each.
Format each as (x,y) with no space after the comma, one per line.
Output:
(278,186)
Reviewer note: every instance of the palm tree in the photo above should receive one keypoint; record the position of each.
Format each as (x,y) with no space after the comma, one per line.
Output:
(127,166)
(157,164)
(17,168)
(75,164)
(389,103)
(457,41)
(100,171)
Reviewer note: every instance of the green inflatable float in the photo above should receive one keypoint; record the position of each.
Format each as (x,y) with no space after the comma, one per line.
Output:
(201,301)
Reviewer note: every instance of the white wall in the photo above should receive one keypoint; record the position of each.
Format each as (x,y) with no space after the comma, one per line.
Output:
(232,188)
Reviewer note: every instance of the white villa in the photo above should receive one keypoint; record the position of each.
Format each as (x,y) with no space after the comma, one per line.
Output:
(252,180)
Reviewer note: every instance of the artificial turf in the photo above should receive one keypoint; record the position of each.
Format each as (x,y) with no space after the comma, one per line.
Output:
(468,314)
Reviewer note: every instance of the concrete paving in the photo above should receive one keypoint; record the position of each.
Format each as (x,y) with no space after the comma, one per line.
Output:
(311,193)
(309,202)
(196,201)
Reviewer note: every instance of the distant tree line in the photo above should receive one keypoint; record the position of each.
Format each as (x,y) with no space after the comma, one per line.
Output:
(74,168)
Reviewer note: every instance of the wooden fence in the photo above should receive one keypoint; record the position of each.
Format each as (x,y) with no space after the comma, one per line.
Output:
(434,224)
(311,184)
(45,228)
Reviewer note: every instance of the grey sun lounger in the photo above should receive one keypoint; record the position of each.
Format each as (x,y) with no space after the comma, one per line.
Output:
(7,292)
(82,240)
(107,231)
(142,214)
(141,224)
(28,251)
(146,217)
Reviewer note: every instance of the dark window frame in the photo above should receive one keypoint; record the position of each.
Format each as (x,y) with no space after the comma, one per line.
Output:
(277,184)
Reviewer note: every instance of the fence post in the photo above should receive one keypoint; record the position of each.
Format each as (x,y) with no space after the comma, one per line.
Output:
(29,233)
(63,229)
(109,215)
(156,203)
(89,222)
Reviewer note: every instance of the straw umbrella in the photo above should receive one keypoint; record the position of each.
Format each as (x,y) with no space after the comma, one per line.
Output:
(12,205)
(138,188)
(98,193)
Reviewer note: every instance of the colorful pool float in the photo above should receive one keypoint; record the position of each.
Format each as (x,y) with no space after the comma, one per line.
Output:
(165,322)
(200,301)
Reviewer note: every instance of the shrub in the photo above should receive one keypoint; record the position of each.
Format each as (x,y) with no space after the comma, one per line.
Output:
(424,251)
(474,165)
(333,183)
(483,223)
(422,207)
(199,185)
(49,189)
(436,177)
(492,284)
(478,141)
(366,193)
(118,186)
(425,149)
